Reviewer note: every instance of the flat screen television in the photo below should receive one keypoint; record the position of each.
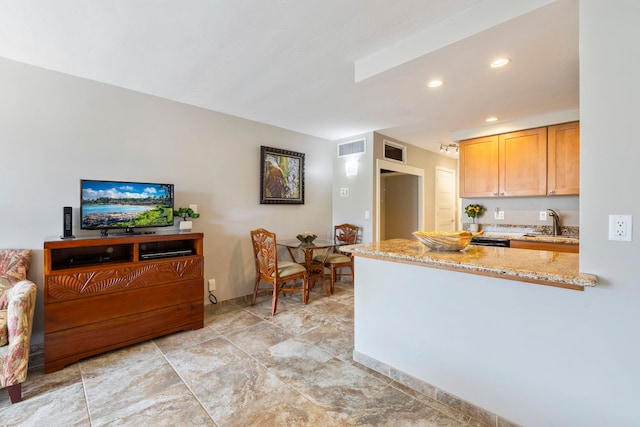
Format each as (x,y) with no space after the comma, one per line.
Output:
(106,205)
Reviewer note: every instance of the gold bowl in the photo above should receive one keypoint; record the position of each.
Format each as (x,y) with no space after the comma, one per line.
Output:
(446,241)
(306,238)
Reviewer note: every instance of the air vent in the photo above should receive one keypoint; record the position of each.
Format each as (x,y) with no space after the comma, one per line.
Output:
(395,152)
(352,147)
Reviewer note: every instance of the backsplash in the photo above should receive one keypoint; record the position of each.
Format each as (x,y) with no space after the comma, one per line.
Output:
(573,231)
(525,211)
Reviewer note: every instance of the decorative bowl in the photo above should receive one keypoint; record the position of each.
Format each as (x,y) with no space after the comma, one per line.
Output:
(306,238)
(446,241)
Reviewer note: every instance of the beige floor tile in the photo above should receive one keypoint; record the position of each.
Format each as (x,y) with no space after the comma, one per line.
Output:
(244,368)
(57,396)
(284,408)
(393,408)
(226,391)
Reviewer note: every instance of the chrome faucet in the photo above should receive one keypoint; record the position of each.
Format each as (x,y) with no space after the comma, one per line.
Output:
(556,221)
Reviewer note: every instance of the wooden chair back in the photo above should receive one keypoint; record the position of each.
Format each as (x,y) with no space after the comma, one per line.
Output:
(268,270)
(265,252)
(345,234)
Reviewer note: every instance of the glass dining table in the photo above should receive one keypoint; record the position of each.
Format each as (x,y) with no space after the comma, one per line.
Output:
(313,263)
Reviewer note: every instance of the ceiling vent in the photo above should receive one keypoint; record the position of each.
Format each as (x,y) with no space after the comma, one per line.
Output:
(393,151)
(352,147)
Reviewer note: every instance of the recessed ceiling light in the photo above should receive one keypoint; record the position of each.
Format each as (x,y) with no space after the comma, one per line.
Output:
(435,83)
(500,62)
(491,119)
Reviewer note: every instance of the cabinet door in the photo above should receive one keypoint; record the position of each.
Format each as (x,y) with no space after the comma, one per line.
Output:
(523,163)
(564,159)
(479,167)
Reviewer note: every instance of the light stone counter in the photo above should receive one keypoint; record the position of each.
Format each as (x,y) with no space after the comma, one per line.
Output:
(558,269)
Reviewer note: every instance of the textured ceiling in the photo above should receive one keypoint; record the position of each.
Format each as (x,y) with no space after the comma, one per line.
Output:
(293,63)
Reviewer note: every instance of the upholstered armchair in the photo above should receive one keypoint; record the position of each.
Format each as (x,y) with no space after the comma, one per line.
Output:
(17,304)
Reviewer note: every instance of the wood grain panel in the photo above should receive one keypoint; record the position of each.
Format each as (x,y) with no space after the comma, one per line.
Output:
(100,295)
(72,285)
(564,159)
(70,314)
(70,345)
(479,167)
(545,246)
(523,163)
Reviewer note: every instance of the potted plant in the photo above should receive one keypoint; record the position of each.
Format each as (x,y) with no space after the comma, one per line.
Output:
(184,213)
(474,211)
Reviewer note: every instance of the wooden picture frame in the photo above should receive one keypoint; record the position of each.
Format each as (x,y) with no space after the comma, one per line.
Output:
(281,176)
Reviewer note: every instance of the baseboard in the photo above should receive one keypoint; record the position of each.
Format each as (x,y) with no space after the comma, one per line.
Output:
(476,412)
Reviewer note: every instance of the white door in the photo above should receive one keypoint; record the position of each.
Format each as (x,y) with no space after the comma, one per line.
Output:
(445,199)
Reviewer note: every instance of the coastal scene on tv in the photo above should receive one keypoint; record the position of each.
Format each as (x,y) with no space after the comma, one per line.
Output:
(107,204)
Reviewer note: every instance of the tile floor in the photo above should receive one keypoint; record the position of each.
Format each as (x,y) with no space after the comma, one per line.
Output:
(244,368)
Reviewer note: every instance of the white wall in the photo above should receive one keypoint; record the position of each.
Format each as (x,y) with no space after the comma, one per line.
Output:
(352,209)
(520,350)
(56,129)
(609,152)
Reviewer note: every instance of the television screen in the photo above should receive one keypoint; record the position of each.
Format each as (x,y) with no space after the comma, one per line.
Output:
(116,204)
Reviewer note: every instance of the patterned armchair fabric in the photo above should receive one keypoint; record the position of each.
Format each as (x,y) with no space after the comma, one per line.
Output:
(17,304)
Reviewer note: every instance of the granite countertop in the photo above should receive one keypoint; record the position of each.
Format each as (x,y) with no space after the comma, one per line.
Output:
(542,267)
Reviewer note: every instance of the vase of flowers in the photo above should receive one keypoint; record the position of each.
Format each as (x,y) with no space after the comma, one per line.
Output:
(473,212)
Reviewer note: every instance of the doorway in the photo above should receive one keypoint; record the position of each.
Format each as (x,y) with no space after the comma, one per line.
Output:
(445,208)
(399,200)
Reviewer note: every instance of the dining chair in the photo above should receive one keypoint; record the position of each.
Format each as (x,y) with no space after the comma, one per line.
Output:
(343,234)
(277,274)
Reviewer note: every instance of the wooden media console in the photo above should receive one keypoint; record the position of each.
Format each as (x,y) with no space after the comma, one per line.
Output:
(109,292)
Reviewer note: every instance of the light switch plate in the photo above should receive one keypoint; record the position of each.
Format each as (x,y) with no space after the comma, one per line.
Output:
(344,192)
(543,215)
(498,215)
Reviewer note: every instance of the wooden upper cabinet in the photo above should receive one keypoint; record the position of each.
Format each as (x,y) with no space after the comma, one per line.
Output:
(512,164)
(479,167)
(563,176)
(523,163)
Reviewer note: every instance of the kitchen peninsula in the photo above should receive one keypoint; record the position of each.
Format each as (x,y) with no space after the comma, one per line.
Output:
(541,267)
(466,326)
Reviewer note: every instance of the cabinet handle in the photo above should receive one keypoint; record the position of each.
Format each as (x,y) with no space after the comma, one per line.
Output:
(502,193)
(495,193)
(552,192)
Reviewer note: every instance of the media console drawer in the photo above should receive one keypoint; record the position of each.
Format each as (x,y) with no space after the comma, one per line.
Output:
(122,298)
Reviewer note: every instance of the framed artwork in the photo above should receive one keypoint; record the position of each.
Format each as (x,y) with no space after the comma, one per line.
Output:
(281,176)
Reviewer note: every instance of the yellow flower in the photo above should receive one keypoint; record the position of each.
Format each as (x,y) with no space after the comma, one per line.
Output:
(474,211)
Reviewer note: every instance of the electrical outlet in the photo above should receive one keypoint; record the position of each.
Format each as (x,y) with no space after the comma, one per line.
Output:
(212,285)
(543,215)
(498,215)
(620,228)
